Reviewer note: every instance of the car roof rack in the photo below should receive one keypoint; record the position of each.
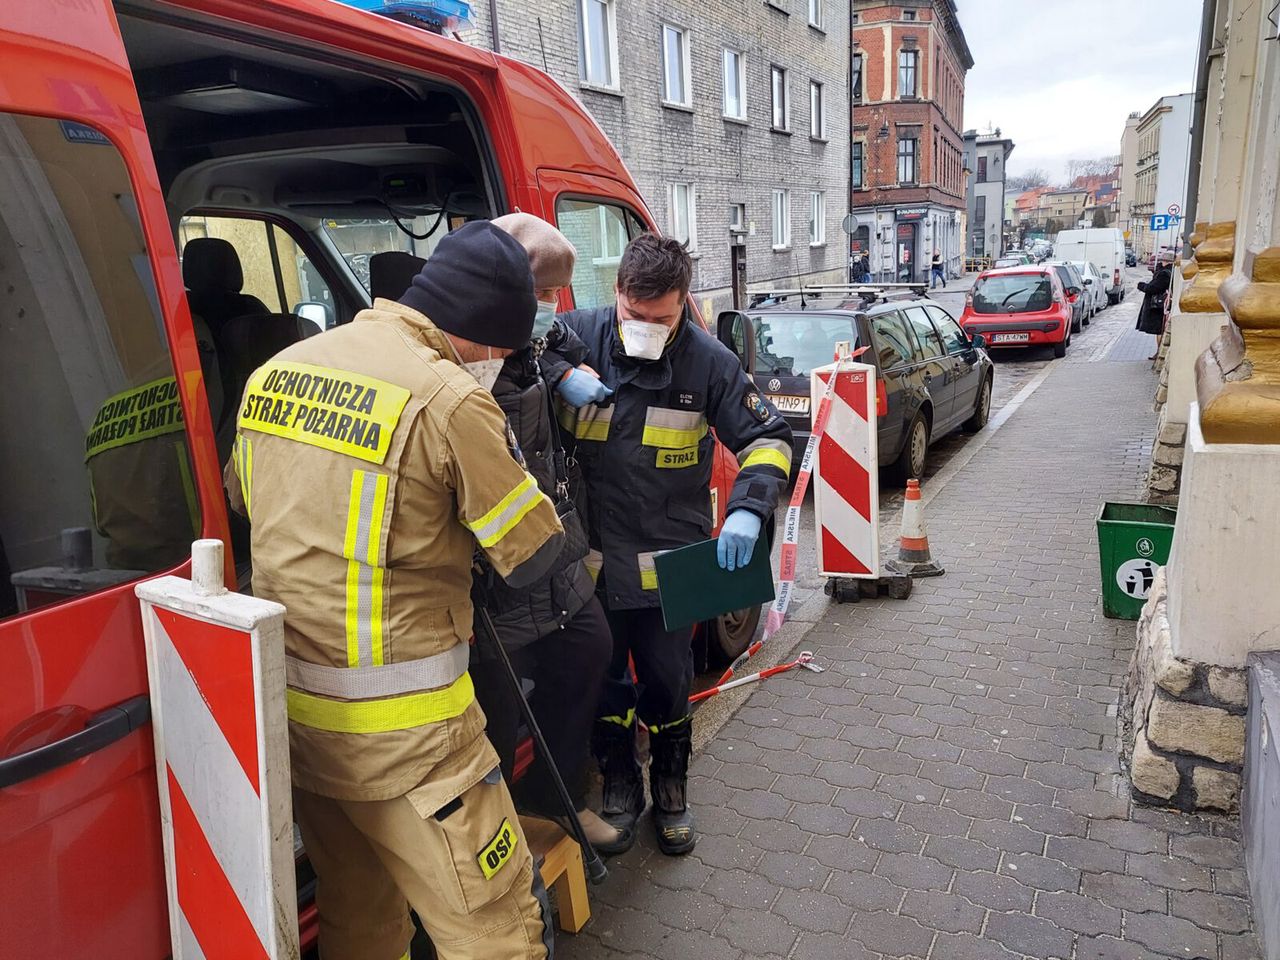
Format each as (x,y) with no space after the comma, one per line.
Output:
(869,293)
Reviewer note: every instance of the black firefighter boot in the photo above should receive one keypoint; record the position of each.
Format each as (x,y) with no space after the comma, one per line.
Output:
(668,782)
(623,795)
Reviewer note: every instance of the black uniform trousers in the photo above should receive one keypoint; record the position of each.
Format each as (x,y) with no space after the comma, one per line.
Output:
(659,696)
(567,668)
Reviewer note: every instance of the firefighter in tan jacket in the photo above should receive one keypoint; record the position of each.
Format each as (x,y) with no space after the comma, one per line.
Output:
(371,460)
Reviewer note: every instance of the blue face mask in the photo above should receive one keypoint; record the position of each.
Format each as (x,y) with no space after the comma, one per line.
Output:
(543,319)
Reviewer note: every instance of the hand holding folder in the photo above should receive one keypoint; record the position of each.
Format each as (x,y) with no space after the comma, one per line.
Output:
(693,587)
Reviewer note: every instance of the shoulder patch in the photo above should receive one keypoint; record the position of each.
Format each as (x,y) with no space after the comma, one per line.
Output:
(755,403)
(514,446)
(497,852)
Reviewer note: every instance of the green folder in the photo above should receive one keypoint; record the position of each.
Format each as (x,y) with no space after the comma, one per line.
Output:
(693,587)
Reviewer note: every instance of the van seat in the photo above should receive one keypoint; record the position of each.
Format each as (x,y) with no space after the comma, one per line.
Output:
(213,277)
(391,273)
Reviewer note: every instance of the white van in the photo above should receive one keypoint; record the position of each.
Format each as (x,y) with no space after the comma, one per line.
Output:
(1102,246)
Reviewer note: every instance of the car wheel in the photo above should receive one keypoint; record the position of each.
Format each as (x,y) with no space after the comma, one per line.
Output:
(915,450)
(1060,348)
(1075,325)
(982,411)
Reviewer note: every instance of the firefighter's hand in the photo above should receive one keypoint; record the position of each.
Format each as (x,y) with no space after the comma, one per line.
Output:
(737,539)
(579,388)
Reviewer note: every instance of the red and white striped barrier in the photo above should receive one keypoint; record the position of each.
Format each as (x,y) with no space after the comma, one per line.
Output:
(215,662)
(846,497)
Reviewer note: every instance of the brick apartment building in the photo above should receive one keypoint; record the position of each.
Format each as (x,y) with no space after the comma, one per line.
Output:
(907,153)
(732,117)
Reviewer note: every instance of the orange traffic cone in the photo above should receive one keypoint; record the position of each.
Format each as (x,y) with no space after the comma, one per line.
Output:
(914,558)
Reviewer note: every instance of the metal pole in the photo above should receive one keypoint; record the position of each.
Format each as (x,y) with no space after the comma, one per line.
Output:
(1207,15)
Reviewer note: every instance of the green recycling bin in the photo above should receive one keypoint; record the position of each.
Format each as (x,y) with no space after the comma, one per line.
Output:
(1133,540)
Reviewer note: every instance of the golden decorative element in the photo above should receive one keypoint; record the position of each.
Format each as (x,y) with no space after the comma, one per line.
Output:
(1194,238)
(1215,252)
(1238,377)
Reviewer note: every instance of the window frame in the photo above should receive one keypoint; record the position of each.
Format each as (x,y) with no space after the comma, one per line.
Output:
(630,218)
(878,338)
(981,172)
(780,202)
(817,105)
(859,77)
(777,73)
(939,316)
(815,14)
(908,68)
(923,357)
(585,63)
(737,224)
(858,165)
(913,155)
(741,78)
(818,205)
(684,45)
(690,212)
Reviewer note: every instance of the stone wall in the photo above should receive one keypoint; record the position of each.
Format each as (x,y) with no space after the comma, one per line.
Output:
(1182,722)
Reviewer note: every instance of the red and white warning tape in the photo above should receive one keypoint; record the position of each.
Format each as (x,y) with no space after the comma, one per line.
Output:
(790,548)
(804,660)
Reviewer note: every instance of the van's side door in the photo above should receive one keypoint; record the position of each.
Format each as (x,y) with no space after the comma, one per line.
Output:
(110,472)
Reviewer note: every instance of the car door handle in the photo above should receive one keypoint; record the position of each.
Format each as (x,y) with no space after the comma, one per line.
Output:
(101,730)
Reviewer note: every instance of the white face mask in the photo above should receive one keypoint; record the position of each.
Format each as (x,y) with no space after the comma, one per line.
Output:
(485,371)
(543,319)
(644,341)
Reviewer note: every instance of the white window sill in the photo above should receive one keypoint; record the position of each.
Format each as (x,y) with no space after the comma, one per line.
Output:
(729,118)
(782,249)
(820,243)
(679,107)
(813,139)
(782,130)
(817,28)
(778,5)
(598,88)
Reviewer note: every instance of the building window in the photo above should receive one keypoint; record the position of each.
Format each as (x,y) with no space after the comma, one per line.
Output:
(908,14)
(980,211)
(856,86)
(684,225)
(598,43)
(815,13)
(907,60)
(675,66)
(817,115)
(857,160)
(982,169)
(817,218)
(737,218)
(781,219)
(735,85)
(778,86)
(907,159)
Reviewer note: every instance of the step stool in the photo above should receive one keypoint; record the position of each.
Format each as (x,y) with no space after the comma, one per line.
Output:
(559,860)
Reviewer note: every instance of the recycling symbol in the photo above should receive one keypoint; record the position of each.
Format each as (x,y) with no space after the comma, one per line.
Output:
(1136,576)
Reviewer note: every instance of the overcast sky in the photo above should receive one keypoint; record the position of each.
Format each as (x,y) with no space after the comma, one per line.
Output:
(1059,77)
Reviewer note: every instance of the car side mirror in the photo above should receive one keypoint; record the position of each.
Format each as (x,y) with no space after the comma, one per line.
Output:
(978,340)
(735,330)
(321,314)
(1072,291)
(1088,281)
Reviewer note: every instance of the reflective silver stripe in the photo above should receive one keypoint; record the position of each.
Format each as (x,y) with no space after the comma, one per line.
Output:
(676,419)
(495,524)
(776,453)
(393,679)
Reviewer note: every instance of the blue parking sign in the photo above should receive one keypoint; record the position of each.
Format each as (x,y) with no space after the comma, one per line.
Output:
(1159,221)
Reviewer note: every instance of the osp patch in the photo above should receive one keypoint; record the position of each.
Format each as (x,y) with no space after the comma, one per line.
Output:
(759,409)
(498,851)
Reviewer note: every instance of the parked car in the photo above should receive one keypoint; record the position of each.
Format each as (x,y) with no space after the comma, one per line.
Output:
(932,378)
(1095,288)
(1014,258)
(1130,259)
(1073,286)
(1019,307)
(1101,246)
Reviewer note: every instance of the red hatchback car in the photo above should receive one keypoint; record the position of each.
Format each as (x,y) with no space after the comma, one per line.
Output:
(1019,307)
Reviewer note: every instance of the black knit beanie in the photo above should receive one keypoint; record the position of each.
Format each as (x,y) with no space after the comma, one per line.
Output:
(477,285)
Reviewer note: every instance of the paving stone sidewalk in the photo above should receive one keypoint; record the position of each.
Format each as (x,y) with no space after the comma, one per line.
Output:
(949,787)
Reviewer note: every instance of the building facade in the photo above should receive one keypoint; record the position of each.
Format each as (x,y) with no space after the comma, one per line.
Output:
(1128,175)
(909,61)
(1160,172)
(985,159)
(732,118)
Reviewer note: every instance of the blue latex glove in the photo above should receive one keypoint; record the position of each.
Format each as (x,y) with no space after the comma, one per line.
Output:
(580,388)
(737,539)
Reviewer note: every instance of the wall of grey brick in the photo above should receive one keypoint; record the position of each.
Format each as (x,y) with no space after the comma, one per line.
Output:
(727,162)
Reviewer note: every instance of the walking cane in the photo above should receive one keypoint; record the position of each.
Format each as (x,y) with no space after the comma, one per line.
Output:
(596,871)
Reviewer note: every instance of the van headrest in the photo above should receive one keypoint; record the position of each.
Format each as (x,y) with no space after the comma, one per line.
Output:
(391,273)
(211,265)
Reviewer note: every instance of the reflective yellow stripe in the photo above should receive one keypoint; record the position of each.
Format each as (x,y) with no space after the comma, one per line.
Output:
(244,467)
(659,727)
(567,415)
(623,721)
(362,546)
(768,458)
(594,561)
(648,574)
(381,716)
(672,437)
(593,423)
(188,488)
(511,509)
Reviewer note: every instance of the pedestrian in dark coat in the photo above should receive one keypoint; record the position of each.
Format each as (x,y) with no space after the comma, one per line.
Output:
(1151,314)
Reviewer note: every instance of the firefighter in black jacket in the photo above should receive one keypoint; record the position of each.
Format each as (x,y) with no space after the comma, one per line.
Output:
(646,453)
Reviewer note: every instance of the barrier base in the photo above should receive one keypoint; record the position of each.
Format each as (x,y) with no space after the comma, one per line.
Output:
(923,568)
(847,590)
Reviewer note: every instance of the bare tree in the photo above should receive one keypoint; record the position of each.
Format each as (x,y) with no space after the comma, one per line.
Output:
(1099,218)
(1093,167)
(1035,177)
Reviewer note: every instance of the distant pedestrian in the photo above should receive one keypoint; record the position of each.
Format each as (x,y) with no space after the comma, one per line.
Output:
(937,271)
(1155,290)
(862,268)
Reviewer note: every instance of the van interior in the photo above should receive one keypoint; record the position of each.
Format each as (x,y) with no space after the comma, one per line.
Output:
(285,173)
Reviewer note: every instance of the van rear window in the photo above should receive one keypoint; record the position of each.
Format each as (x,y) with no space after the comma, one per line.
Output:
(1017,293)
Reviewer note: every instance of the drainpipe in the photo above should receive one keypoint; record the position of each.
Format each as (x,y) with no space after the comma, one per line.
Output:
(849,252)
(1197,119)
(493,26)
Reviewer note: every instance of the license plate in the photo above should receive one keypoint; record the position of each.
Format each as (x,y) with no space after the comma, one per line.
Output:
(790,404)
(1010,337)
